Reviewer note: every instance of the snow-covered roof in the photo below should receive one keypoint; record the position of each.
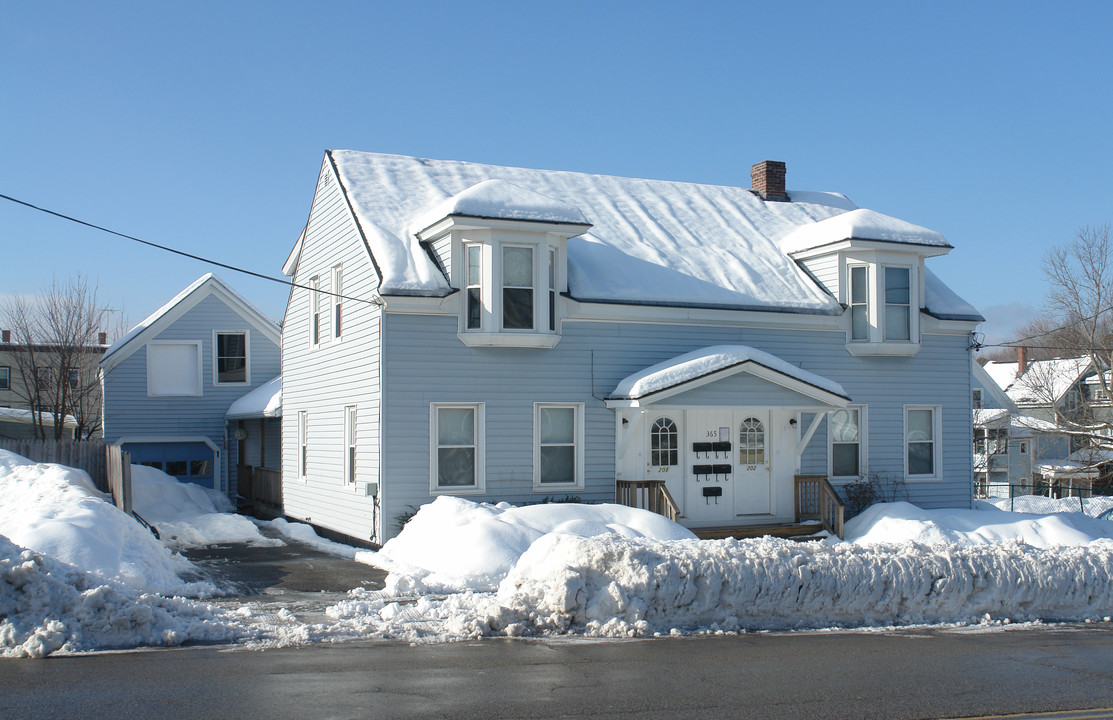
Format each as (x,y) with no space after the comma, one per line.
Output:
(1019,425)
(861,224)
(944,303)
(1043,381)
(504,201)
(192,294)
(651,241)
(264,401)
(28,417)
(707,361)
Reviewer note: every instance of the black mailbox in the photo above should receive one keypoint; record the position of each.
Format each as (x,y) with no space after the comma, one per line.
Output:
(703,469)
(721,469)
(702,447)
(720,447)
(713,491)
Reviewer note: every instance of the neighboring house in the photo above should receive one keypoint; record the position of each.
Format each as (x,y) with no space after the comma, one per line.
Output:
(19,393)
(170,380)
(1021,441)
(519,335)
(18,424)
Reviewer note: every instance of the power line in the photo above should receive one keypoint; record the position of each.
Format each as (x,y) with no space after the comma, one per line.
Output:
(374,301)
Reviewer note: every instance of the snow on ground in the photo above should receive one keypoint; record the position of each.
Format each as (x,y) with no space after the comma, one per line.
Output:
(76,574)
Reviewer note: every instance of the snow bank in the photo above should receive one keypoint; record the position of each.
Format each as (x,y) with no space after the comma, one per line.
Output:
(47,606)
(305,533)
(456,544)
(903,522)
(188,515)
(56,511)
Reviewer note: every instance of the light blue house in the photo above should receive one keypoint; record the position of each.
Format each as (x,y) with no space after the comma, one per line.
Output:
(170,380)
(506,334)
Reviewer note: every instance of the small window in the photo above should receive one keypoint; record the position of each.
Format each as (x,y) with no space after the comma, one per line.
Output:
(337,289)
(5,377)
(977,398)
(315,311)
(920,440)
(751,442)
(664,443)
(173,369)
(456,436)
(303,443)
(846,442)
(44,378)
(552,290)
(898,304)
(517,288)
(859,297)
(474,254)
(350,443)
(231,358)
(558,430)
(73,378)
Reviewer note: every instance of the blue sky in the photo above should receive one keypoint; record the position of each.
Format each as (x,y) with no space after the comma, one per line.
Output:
(202,125)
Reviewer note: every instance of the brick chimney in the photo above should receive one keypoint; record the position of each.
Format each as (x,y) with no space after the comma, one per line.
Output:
(768,178)
(1021,360)
(102,338)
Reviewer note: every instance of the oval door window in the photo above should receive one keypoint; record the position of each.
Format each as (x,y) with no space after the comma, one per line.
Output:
(751,442)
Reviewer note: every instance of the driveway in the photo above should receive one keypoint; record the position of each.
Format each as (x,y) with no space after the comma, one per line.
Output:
(297,577)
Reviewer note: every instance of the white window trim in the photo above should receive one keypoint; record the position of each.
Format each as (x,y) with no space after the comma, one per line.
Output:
(538,486)
(883,304)
(302,459)
(484,252)
(336,307)
(502,286)
(247,358)
(315,311)
(200,368)
(850,267)
(480,451)
(937,444)
(863,446)
(350,425)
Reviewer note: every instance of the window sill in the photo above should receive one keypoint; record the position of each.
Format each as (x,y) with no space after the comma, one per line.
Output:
(460,490)
(882,349)
(526,340)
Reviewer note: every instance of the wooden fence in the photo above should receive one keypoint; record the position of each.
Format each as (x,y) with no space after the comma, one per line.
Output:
(119,477)
(258,485)
(89,455)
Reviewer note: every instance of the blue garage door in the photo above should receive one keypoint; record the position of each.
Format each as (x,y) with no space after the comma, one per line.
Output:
(188,462)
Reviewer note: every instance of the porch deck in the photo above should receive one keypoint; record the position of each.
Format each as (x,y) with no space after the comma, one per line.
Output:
(802,531)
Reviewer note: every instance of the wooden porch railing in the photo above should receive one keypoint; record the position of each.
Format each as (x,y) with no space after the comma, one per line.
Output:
(651,495)
(817,500)
(259,485)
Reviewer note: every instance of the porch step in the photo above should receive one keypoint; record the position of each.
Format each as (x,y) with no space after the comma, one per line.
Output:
(796,531)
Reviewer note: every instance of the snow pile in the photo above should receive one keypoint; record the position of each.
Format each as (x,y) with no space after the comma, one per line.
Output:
(504,200)
(47,606)
(56,511)
(1092,506)
(903,522)
(188,515)
(455,544)
(713,359)
(860,224)
(306,534)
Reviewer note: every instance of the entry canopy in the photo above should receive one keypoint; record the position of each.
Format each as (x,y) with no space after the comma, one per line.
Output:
(692,370)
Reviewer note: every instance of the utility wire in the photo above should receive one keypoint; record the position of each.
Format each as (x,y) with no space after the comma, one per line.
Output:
(374,301)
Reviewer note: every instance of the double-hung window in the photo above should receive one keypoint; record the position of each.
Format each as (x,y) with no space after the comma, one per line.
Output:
(350,443)
(315,311)
(5,377)
(337,291)
(303,444)
(559,441)
(921,431)
(456,440)
(859,297)
(517,288)
(847,440)
(552,290)
(473,256)
(898,303)
(231,358)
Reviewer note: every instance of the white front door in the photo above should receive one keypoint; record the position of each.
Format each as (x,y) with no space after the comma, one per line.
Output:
(752,471)
(709,484)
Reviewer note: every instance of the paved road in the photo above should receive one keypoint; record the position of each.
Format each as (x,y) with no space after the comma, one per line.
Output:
(911,674)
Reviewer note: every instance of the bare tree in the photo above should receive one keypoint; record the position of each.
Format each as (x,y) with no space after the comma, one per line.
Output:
(56,350)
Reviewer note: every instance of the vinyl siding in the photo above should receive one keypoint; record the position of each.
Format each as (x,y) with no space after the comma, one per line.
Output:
(825,269)
(129,412)
(325,379)
(424,362)
(442,251)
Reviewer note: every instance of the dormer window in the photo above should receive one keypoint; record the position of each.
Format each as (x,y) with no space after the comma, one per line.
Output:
(505,248)
(881,304)
(898,304)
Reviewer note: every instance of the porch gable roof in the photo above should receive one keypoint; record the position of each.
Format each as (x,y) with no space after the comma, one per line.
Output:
(701,367)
